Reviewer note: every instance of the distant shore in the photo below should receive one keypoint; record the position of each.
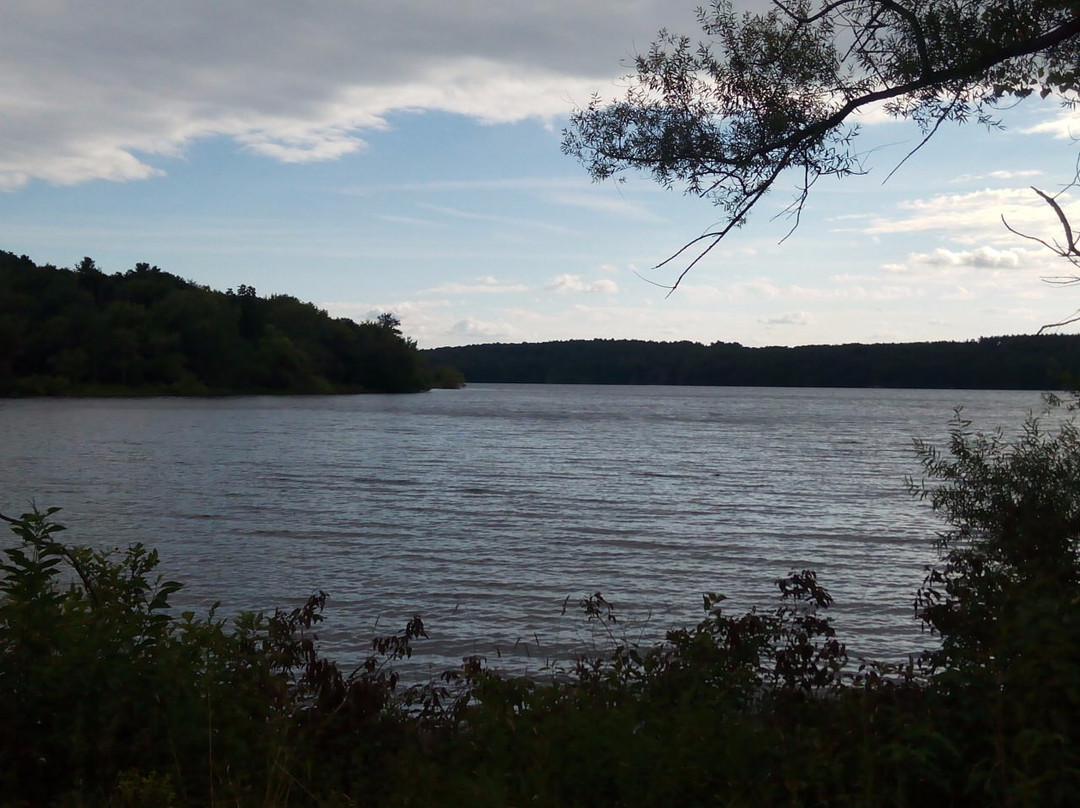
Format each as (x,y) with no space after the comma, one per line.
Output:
(1031,362)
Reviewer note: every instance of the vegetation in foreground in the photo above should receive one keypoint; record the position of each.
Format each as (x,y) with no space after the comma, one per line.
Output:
(147,332)
(107,698)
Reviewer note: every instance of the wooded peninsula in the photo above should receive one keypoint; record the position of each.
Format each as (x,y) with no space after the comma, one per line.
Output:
(147,332)
(1044,362)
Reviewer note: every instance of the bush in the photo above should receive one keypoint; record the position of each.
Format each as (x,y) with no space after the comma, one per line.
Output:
(103,691)
(1004,602)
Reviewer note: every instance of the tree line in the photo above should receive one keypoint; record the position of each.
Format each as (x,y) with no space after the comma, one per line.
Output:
(1043,362)
(82,331)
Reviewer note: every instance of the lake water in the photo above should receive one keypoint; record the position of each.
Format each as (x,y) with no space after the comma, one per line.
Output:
(483,509)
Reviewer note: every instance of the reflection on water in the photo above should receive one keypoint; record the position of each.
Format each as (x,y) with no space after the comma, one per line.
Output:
(483,509)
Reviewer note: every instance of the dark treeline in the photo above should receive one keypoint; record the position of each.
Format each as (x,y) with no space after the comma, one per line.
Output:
(84,332)
(996,363)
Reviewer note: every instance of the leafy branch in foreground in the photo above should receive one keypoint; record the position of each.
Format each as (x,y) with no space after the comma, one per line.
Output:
(773,91)
(105,691)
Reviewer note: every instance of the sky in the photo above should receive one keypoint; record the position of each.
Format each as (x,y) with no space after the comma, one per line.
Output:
(404,156)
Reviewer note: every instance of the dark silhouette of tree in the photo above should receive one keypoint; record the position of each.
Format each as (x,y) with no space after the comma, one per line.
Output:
(772,91)
(1022,362)
(145,330)
(389,321)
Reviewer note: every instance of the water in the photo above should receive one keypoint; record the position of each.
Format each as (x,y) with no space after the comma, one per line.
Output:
(484,509)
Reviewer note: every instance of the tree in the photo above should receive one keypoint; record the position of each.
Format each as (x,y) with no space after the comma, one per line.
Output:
(1003,600)
(768,92)
(390,322)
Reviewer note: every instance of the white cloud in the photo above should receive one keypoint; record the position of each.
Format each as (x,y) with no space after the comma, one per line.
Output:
(849,277)
(481,185)
(94,90)
(574,283)
(754,288)
(981,258)
(872,114)
(999,175)
(407,310)
(701,293)
(984,267)
(797,318)
(311,147)
(974,216)
(958,293)
(486,329)
(516,221)
(619,207)
(484,285)
(412,221)
(1065,126)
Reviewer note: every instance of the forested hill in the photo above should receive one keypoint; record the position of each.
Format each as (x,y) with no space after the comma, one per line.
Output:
(1048,362)
(145,331)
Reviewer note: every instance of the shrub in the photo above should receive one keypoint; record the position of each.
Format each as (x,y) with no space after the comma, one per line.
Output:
(1004,601)
(104,692)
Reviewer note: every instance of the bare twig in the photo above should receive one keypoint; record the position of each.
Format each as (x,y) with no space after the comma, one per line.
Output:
(1070,251)
(941,118)
(1074,318)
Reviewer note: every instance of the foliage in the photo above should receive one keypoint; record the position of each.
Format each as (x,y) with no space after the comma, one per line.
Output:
(1004,603)
(106,691)
(997,363)
(110,698)
(145,331)
(777,90)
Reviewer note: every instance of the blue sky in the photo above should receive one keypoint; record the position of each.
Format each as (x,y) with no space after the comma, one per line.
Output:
(405,157)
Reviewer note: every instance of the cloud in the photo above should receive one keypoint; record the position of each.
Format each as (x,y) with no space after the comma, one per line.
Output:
(482,185)
(798,318)
(97,90)
(485,285)
(407,310)
(973,216)
(754,288)
(958,293)
(486,329)
(849,277)
(457,213)
(982,258)
(999,175)
(1010,268)
(574,283)
(411,221)
(621,208)
(313,146)
(1066,126)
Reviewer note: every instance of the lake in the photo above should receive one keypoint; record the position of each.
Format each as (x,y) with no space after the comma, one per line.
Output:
(484,509)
